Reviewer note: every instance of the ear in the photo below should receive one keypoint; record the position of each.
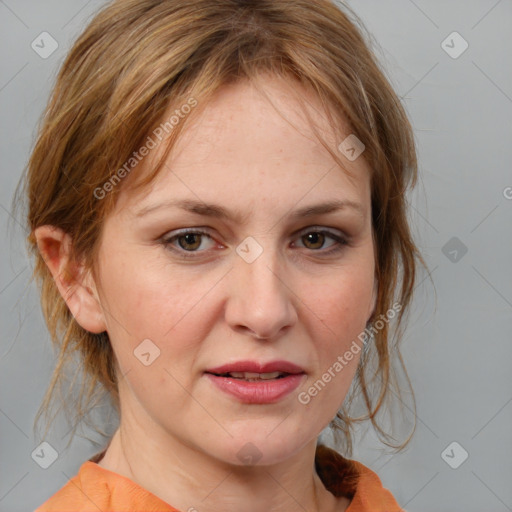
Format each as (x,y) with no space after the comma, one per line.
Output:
(75,284)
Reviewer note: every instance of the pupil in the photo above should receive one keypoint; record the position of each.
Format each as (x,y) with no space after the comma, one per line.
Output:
(189,241)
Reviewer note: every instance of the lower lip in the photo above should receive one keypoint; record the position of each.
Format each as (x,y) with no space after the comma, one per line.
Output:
(257,392)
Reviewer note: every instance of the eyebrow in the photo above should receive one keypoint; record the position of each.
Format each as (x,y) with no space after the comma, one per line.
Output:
(219,212)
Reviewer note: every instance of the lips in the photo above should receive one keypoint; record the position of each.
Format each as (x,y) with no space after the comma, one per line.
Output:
(257,383)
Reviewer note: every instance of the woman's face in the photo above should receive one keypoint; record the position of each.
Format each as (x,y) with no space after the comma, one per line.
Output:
(268,281)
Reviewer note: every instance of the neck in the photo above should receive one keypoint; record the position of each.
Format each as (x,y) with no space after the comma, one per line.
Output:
(190,480)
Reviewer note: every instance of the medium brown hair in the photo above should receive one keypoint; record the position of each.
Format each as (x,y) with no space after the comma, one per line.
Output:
(138,58)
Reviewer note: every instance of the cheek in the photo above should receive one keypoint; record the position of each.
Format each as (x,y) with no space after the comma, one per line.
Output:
(340,307)
(143,297)
(155,303)
(337,314)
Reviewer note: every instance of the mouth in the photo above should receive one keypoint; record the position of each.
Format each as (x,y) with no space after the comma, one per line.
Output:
(254,370)
(256,383)
(251,376)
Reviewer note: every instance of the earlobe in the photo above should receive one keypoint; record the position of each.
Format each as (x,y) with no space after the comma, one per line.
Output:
(73,281)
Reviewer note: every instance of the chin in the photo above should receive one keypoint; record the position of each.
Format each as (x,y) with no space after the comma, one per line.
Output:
(263,449)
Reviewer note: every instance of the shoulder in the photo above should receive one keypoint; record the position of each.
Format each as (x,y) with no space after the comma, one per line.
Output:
(95,488)
(354,480)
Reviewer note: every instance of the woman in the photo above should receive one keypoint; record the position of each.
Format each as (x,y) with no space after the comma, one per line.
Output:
(217,211)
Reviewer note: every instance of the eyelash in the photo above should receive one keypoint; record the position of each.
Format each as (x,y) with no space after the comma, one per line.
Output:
(341,242)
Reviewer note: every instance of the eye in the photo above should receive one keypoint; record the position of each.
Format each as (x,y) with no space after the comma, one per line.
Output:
(316,240)
(189,241)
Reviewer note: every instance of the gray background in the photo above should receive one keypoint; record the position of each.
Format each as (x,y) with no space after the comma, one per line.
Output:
(458,347)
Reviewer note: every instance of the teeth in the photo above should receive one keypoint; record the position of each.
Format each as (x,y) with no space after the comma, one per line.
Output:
(254,376)
(266,376)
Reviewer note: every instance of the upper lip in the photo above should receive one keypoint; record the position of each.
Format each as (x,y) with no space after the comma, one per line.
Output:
(257,367)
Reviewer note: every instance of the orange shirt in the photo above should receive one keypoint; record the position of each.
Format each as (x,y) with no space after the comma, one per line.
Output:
(95,489)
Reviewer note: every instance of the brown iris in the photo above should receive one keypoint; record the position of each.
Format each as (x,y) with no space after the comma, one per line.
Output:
(314,239)
(192,241)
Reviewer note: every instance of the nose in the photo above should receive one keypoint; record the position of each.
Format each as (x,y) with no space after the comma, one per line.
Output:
(261,301)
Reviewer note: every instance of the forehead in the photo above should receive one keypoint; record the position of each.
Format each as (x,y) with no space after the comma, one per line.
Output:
(254,146)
